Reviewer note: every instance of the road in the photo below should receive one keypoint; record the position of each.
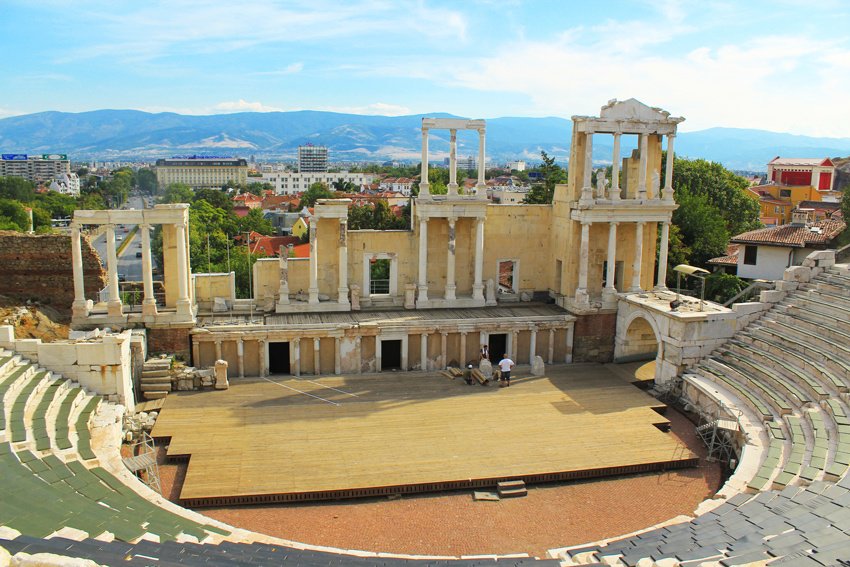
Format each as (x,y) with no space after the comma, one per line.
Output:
(128,264)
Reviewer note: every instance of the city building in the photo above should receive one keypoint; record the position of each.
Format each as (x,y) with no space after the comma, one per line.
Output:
(66,183)
(312,159)
(36,168)
(290,182)
(815,172)
(201,171)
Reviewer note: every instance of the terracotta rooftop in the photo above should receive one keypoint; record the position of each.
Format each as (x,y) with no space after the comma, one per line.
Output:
(805,162)
(819,205)
(796,236)
(730,259)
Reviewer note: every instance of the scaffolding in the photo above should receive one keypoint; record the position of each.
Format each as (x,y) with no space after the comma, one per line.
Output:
(718,430)
(143,462)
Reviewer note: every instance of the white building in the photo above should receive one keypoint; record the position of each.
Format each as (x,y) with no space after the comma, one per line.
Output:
(516,165)
(67,183)
(290,182)
(401,185)
(40,168)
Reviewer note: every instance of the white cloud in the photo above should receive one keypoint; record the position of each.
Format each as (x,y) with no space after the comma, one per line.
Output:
(242,106)
(374,109)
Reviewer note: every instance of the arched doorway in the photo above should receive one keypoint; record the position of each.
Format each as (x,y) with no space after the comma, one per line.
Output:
(639,342)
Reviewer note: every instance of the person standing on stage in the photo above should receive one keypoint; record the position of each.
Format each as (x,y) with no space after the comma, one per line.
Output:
(485,352)
(505,366)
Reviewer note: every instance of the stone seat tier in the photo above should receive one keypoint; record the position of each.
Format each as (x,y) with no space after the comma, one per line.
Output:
(815,314)
(715,375)
(49,397)
(802,322)
(63,423)
(777,401)
(805,347)
(745,359)
(9,386)
(17,427)
(823,306)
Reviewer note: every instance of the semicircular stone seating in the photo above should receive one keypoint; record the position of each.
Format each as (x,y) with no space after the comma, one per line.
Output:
(790,372)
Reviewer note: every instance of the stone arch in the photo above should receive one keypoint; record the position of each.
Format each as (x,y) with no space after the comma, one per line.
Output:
(638,338)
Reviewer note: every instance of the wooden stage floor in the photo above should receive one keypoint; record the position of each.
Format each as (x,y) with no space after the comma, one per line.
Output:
(292,439)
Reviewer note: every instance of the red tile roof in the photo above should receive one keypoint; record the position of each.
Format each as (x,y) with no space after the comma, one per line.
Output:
(794,236)
(301,251)
(271,245)
(730,259)
(803,162)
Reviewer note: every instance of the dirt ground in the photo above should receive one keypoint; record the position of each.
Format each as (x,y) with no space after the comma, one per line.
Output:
(452,523)
(34,321)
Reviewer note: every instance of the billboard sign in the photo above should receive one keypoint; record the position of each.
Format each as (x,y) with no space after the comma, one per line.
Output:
(54,156)
(14,157)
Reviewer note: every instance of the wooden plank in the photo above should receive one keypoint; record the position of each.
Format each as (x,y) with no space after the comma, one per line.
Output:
(265,438)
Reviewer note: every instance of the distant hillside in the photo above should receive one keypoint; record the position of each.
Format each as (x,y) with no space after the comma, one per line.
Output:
(116,134)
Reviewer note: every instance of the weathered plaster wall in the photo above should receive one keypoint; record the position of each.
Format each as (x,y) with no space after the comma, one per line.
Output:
(39,267)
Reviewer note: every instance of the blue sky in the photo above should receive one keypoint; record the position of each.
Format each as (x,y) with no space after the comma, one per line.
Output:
(782,65)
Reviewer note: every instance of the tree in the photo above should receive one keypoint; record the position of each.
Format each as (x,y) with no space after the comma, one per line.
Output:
(553,174)
(702,227)
(315,192)
(722,287)
(146,180)
(13,216)
(256,222)
(844,238)
(214,197)
(17,188)
(177,193)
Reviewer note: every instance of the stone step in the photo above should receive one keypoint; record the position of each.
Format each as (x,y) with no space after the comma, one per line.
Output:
(156,387)
(513,493)
(155,394)
(155,373)
(156,380)
(511,488)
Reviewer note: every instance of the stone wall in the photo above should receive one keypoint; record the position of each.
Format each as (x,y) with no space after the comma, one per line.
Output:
(169,340)
(39,267)
(593,340)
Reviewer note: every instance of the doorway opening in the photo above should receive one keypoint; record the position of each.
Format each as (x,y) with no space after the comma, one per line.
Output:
(498,346)
(279,358)
(391,355)
(379,276)
(507,276)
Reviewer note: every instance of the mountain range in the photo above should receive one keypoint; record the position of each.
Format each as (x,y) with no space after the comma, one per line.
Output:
(134,135)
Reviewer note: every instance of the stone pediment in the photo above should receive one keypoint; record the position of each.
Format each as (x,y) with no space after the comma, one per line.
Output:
(635,111)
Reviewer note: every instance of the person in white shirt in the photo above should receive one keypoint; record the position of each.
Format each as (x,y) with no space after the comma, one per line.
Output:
(505,366)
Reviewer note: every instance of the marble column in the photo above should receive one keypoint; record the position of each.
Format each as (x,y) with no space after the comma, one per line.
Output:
(423,351)
(637,264)
(337,357)
(443,350)
(668,170)
(611,272)
(218,349)
(642,168)
(551,350)
(314,263)
(568,358)
(283,266)
(342,291)
(196,352)
(512,352)
(296,371)
(477,283)
(451,287)
(584,260)
(184,306)
(240,357)
(113,304)
(587,184)
(452,187)
(614,192)
(662,257)
(532,346)
(80,306)
(149,301)
(481,186)
(423,260)
(261,352)
(462,358)
(317,356)
(424,192)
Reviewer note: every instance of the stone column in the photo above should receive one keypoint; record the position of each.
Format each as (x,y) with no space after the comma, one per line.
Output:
(587,186)
(477,283)
(481,186)
(261,352)
(450,262)
(314,263)
(357,346)
(423,351)
(218,349)
(452,187)
(113,304)
(610,288)
(297,357)
(614,192)
(423,260)
(337,357)
(584,260)
(512,352)
(424,192)
(342,291)
(149,302)
(317,356)
(644,162)
(196,352)
(462,357)
(80,306)
(443,350)
(637,264)
(184,306)
(568,358)
(662,257)
(551,350)
(532,346)
(283,290)
(240,357)
(668,171)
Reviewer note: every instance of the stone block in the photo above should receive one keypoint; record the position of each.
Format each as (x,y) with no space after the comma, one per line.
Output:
(7,336)
(537,366)
(486,368)
(221,382)
(57,354)
(783,285)
(219,305)
(771,296)
(797,274)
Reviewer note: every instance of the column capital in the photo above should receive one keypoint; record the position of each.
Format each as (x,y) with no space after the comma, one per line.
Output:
(297,341)
(452,219)
(586,223)
(614,223)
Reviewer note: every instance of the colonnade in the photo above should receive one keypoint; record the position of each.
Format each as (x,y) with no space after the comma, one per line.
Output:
(452,125)
(450,293)
(329,209)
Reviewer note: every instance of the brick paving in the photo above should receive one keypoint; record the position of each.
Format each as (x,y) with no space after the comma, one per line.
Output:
(553,515)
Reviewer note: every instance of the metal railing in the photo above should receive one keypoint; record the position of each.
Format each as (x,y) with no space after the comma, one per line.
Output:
(749,291)
(379,287)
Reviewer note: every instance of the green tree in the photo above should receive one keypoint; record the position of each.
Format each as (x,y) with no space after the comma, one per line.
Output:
(177,193)
(553,174)
(17,188)
(315,192)
(702,227)
(214,197)
(13,216)
(255,221)
(720,287)
(146,180)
